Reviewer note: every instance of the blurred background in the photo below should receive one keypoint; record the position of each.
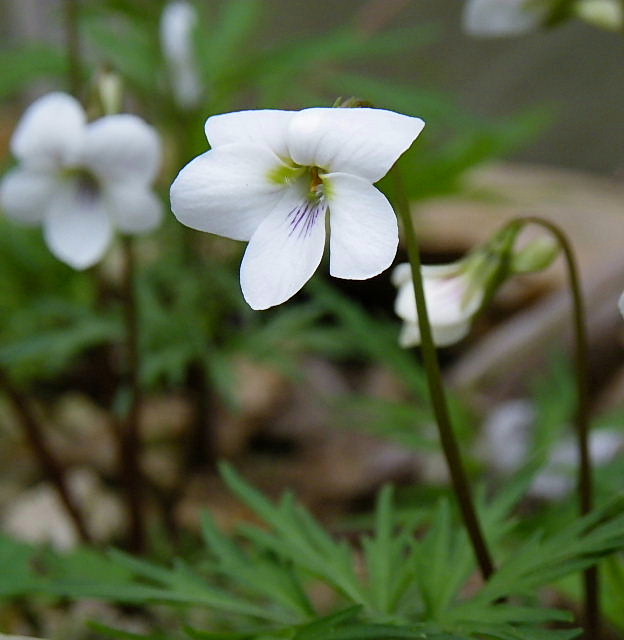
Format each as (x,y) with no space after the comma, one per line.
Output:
(315,395)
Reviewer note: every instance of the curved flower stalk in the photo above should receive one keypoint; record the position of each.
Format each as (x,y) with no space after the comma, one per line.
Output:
(177,23)
(273,178)
(493,18)
(81,181)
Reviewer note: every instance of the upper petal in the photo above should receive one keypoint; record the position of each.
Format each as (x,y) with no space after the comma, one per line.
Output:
(122,148)
(77,229)
(364,233)
(50,133)
(364,142)
(133,208)
(25,194)
(283,253)
(263,127)
(228,190)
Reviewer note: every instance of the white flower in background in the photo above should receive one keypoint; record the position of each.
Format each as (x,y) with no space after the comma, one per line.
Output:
(492,18)
(272,177)
(452,297)
(81,181)
(558,478)
(621,304)
(177,24)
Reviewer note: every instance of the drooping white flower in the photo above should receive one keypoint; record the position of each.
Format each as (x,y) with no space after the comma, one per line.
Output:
(492,18)
(273,177)
(177,23)
(82,180)
(452,298)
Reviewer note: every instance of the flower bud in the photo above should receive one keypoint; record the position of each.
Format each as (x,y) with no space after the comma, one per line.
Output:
(109,90)
(536,256)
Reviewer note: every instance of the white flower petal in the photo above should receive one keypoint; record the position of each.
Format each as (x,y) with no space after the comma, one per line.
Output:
(77,229)
(491,18)
(360,141)
(401,274)
(264,127)
(364,233)
(132,208)
(621,304)
(122,148)
(25,194)
(227,191)
(50,133)
(282,254)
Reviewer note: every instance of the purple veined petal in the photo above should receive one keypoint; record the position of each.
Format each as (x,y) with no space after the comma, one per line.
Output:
(362,142)
(50,134)
(228,191)
(364,233)
(77,228)
(263,127)
(25,194)
(283,253)
(122,148)
(133,208)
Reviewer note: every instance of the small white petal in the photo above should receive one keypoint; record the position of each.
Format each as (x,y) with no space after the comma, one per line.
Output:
(122,148)
(25,194)
(443,335)
(491,18)
(282,254)
(77,229)
(360,141)
(227,191)
(50,133)
(364,233)
(264,127)
(132,208)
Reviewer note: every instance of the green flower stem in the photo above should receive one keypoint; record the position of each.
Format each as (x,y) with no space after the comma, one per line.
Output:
(72,41)
(585,477)
(50,465)
(130,432)
(439,404)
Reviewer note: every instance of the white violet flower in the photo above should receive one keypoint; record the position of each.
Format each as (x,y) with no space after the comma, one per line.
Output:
(81,181)
(273,177)
(452,299)
(177,23)
(491,18)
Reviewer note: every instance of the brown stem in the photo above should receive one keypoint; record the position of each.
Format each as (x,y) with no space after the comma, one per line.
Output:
(72,42)
(581,357)
(450,447)
(51,466)
(130,432)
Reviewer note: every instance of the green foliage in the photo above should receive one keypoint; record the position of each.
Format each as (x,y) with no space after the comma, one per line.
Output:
(404,580)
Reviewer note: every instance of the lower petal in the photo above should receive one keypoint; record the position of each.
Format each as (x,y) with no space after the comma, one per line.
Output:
(133,209)
(77,229)
(25,194)
(282,255)
(364,231)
